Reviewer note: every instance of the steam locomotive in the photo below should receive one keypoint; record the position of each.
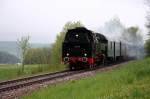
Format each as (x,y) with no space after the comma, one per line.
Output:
(82,48)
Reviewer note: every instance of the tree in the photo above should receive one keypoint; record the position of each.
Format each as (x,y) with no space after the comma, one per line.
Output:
(147,47)
(113,29)
(148,16)
(23,45)
(57,46)
(132,35)
(147,44)
(38,56)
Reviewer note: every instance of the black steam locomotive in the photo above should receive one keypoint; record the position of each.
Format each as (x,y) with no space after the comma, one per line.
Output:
(83,48)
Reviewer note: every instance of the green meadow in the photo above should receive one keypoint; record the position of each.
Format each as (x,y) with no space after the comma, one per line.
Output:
(130,81)
(8,72)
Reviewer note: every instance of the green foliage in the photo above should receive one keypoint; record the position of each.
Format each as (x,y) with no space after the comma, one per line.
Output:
(148,16)
(57,46)
(147,47)
(131,81)
(23,45)
(12,47)
(38,56)
(147,44)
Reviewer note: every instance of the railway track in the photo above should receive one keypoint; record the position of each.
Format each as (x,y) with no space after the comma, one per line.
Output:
(38,79)
(28,81)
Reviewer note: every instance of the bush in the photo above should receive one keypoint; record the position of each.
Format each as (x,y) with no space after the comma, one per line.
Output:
(147,47)
(38,56)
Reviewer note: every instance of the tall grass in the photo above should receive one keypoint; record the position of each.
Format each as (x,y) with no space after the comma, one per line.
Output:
(131,81)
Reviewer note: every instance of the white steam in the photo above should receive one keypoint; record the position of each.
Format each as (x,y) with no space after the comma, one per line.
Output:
(114,30)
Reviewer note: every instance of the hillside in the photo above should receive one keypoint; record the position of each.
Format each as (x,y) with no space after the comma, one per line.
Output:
(12,48)
(130,81)
(6,58)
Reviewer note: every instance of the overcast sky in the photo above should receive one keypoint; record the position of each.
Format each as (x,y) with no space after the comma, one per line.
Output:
(44,19)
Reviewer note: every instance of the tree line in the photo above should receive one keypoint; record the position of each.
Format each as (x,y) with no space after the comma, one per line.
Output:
(38,56)
(51,56)
(6,58)
(147,44)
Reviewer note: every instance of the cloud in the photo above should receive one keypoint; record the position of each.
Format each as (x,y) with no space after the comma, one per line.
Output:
(44,19)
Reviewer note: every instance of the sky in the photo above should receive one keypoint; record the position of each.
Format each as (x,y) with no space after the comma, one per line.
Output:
(42,20)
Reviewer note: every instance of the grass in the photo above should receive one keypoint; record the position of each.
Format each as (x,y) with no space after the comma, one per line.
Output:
(131,81)
(8,72)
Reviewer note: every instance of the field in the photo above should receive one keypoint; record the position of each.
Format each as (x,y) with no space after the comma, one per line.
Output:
(14,71)
(131,81)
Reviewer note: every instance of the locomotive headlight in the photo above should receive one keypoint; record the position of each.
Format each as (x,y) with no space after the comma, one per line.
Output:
(77,35)
(66,59)
(85,54)
(67,54)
